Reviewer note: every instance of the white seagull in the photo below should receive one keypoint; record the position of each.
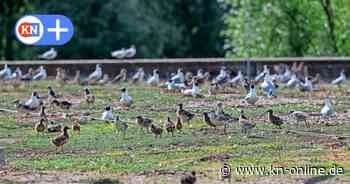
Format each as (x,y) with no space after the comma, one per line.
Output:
(265,72)
(42,74)
(125,99)
(237,78)
(48,55)
(307,85)
(131,52)
(327,110)
(222,77)
(17,73)
(5,73)
(195,91)
(286,76)
(119,54)
(179,77)
(107,114)
(34,101)
(251,97)
(293,82)
(341,79)
(97,74)
(139,75)
(154,80)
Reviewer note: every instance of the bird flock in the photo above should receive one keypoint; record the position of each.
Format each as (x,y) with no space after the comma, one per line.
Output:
(123,53)
(267,82)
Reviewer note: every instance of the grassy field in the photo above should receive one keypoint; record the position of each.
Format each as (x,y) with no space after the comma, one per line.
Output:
(100,151)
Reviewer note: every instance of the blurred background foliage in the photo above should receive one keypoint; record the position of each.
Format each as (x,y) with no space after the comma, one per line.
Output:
(188,28)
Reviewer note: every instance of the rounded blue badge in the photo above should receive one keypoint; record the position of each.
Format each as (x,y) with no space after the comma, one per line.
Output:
(44,29)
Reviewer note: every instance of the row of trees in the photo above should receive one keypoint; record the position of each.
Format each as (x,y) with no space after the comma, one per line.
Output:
(158,28)
(188,28)
(287,28)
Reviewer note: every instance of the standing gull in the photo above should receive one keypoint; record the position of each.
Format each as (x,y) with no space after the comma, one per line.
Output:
(41,75)
(96,75)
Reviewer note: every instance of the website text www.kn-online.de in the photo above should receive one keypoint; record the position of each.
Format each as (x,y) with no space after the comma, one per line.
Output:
(271,170)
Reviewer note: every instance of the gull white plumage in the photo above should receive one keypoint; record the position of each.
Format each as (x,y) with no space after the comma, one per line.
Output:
(34,101)
(41,75)
(97,74)
(49,55)
(265,72)
(130,52)
(179,77)
(125,99)
(327,110)
(341,79)
(107,114)
(119,54)
(5,73)
(237,78)
(154,80)
(194,91)
(251,97)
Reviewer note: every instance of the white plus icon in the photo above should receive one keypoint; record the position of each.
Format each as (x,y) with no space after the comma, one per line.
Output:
(57,29)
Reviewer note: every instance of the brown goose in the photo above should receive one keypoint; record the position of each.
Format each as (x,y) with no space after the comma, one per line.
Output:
(169,126)
(143,122)
(189,178)
(185,116)
(277,121)
(62,139)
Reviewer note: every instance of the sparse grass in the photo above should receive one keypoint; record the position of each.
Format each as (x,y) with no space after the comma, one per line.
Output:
(99,149)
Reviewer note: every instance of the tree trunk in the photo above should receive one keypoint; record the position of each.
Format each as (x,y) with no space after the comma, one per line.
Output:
(327,7)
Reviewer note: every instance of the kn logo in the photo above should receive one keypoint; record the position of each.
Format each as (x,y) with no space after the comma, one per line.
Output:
(44,29)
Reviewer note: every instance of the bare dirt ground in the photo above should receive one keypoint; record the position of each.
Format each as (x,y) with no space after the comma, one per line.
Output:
(153,178)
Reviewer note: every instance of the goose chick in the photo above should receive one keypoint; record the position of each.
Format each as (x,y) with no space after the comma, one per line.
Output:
(65,105)
(143,122)
(156,130)
(178,124)
(184,115)
(275,120)
(221,115)
(246,125)
(62,139)
(125,99)
(211,121)
(51,128)
(300,116)
(120,126)
(89,97)
(76,126)
(51,93)
(40,127)
(169,126)
(189,178)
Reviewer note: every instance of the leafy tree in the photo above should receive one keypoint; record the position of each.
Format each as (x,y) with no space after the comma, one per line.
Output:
(158,29)
(257,28)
